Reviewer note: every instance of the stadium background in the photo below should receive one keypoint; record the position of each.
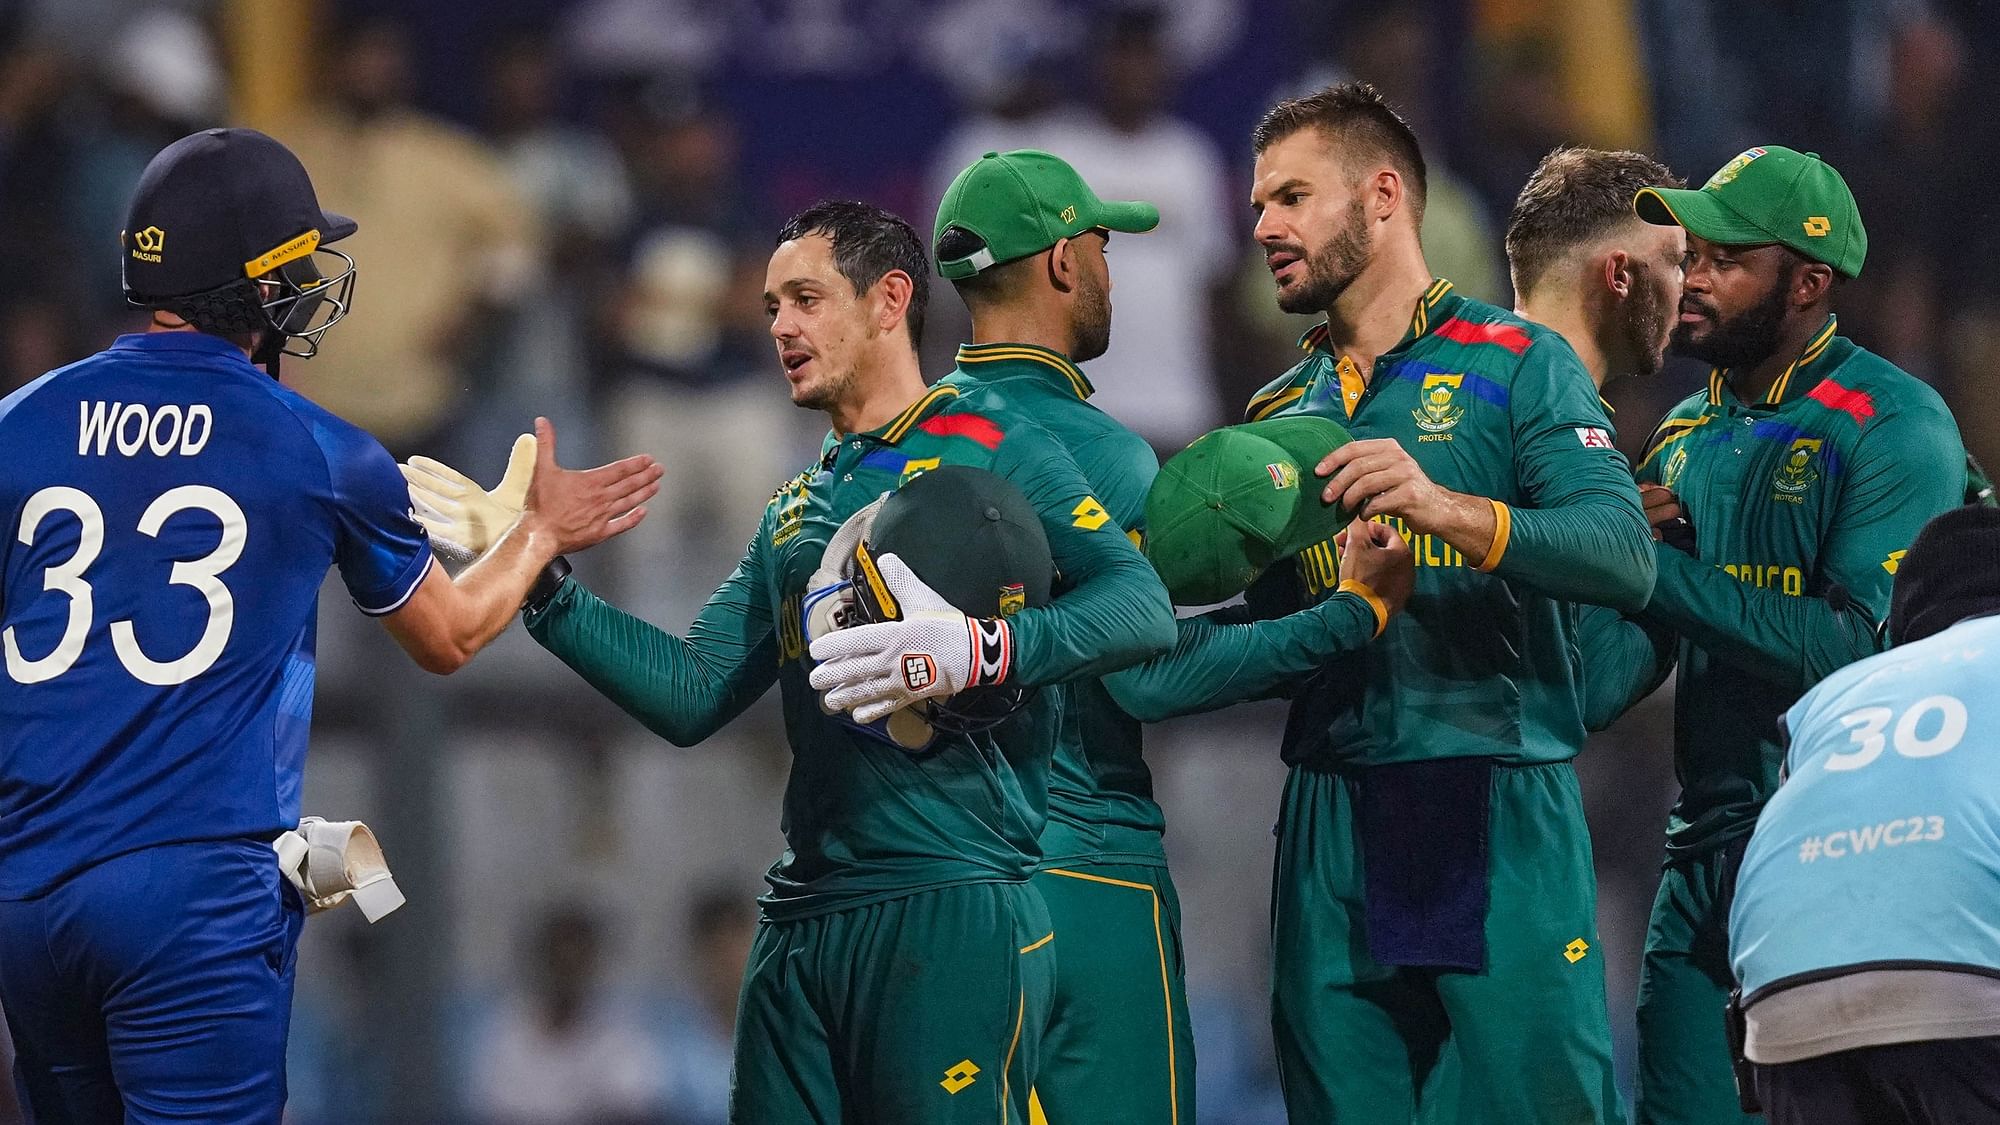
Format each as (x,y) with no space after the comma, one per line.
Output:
(566,208)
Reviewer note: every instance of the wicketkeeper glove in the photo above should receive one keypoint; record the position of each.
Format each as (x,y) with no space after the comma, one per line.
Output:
(463,518)
(331,861)
(928,650)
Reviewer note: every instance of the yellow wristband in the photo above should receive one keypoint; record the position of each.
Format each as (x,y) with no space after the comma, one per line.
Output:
(1361,590)
(1503,525)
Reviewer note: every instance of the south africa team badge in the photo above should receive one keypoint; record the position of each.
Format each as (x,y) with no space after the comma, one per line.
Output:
(1797,471)
(1438,410)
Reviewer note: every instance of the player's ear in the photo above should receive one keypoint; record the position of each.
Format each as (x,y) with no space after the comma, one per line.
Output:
(892,299)
(1811,283)
(1383,192)
(1618,274)
(1062,265)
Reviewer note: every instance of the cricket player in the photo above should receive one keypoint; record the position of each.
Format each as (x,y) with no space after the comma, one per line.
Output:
(1434,887)
(1584,264)
(1785,492)
(171,512)
(1862,929)
(1023,238)
(903,964)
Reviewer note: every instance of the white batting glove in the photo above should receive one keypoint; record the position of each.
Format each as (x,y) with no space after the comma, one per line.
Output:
(931,650)
(464,519)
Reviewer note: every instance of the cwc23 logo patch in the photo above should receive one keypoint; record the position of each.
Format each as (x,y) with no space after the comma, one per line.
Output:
(1437,409)
(1797,471)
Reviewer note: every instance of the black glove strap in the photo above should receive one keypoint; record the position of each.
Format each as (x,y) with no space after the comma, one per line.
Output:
(546,585)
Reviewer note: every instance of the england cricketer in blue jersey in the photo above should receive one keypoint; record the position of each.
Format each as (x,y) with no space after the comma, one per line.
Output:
(169,514)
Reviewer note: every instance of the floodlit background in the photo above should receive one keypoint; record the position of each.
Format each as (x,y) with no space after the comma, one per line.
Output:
(565,208)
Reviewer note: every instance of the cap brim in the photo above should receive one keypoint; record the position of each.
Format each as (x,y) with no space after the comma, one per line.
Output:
(1701,214)
(333,228)
(1128,216)
(1307,439)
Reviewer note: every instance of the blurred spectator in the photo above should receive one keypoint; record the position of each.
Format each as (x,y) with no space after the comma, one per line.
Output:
(158,81)
(445,243)
(41,286)
(697,385)
(701,1025)
(565,1050)
(1158,376)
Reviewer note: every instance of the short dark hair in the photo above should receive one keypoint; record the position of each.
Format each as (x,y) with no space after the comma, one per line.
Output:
(868,242)
(1575,196)
(1352,115)
(989,284)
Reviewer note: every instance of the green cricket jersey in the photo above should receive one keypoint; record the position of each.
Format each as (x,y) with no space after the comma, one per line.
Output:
(865,821)
(1822,484)
(1101,803)
(1484,660)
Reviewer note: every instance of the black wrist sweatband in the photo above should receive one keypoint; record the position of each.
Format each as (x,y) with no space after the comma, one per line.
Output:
(546,585)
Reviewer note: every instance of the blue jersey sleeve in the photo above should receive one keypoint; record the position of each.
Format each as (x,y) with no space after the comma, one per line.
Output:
(382,552)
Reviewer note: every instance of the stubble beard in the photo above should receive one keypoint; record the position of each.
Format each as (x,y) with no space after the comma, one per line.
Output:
(1090,322)
(1333,267)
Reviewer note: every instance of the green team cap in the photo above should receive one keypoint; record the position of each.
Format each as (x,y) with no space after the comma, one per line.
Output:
(1768,194)
(1024,202)
(1237,500)
(970,535)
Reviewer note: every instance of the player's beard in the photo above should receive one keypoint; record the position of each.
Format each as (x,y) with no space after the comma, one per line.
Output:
(827,393)
(1744,340)
(1644,322)
(1333,267)
(1090,320)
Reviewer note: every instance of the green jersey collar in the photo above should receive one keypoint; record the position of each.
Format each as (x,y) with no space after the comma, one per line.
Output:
(1785,387)
(1435,305)
(998,361)
(900,426)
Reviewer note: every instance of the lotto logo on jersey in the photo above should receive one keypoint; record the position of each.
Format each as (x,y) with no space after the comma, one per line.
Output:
(1593,437)
(919,672)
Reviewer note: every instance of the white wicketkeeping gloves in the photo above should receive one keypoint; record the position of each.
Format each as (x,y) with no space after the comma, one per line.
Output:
(463,518)
(331,861)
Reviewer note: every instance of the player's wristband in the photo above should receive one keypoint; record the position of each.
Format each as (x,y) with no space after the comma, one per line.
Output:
(546,585)
(1367,594)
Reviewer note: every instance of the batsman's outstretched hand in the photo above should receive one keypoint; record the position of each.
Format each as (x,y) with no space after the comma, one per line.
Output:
(463,518)
(580,508)
(929,651)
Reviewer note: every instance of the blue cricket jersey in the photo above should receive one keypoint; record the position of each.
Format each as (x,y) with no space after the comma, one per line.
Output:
(167,515)
(1882,848)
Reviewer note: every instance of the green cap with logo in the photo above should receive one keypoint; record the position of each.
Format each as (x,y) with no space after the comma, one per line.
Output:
(1023,202)
(1768,194)
(1237,500)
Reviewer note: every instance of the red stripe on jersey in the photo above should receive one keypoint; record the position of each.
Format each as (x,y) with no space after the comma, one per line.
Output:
(1855,404)
(978,427)
(1465,332)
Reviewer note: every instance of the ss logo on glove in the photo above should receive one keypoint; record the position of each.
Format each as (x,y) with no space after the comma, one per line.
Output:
(918,670)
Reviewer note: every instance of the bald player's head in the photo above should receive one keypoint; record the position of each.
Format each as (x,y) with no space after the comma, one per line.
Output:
(1573,240)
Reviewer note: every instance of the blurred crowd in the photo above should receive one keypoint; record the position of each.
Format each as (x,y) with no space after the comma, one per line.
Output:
(566,208)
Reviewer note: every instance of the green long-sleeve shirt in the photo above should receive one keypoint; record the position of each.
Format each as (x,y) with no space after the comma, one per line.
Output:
(1101,806)
(864,820)
(1822,484)
(1483,661)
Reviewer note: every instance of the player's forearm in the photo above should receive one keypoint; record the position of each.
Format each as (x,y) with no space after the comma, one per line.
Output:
(447,621)
(1214,664)
(668,683)
(1624,661)
(1792,640)
(1590,550)
(1117,616)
